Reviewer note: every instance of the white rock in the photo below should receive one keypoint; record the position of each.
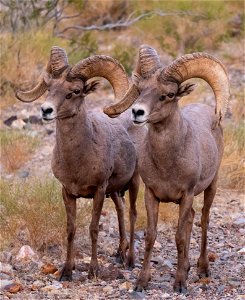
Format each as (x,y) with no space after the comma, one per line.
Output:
(108,289)
(6,268)
(157,245)
(52,287)
(26,254)
(4,283)
(239,221)
(18,124)
(242,251)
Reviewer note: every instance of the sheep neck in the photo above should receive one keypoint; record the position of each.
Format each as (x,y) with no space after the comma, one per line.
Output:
(73,137)
(167,137)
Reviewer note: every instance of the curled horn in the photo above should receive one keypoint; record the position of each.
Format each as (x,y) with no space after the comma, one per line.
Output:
(204,66)
(148,62)
(57,63)
(102,66)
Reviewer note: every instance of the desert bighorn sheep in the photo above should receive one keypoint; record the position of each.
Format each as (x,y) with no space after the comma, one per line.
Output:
(181,154)
(94,155)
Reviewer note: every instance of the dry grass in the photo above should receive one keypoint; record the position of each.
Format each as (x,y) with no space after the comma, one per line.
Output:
(16,148)
(22,61)
(232,172)
(34,213)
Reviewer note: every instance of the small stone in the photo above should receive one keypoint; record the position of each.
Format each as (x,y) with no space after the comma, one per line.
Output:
(6,268)
(212,256)
(23,174)
(137,295)
(234,282)
(33,120)
(5,282)
(139,234)
(241,251)
(168,264)
(10,120)
(204,280)
(49,269)
(26,254)
(125,286)
(157,245)
(108,289)
(52,287)
(239,221)
(37,284)
(4,276)
(13,288)
(18,124)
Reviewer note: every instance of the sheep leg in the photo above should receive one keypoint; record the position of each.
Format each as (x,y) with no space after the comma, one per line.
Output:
(152,208)
(203,263)
(182,238)
(133,192)
(123,245)
(70,206)
(94,230)
(188,234)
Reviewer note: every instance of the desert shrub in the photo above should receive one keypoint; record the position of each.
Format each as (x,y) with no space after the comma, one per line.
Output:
(232,173)
(22,59)
(36,207)
(125,55)
(16,148)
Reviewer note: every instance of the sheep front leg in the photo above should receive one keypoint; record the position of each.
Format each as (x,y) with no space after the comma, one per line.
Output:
(70,206)
(183,234)
(94,230)
(123,245)
(203,263)
(133,192)
(152,208)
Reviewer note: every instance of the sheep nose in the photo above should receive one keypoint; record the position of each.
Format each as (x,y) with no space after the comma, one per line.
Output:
(46,111)
(138,112)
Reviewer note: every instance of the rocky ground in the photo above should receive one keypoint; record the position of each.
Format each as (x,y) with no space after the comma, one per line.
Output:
(29,274)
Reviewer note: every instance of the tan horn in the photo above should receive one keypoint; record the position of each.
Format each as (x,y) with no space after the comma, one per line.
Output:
(206,67)
(36,92)
(147,63)
(103,66)
(58,60)
(148,60)
(116,109)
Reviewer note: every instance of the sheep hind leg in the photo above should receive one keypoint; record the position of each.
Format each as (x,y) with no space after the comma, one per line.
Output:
(94,231)
(70,206)
(203,263)
(123,244)
(133,192)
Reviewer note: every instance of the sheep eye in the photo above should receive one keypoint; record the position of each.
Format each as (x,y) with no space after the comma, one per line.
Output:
(76,92)
(170,95)
(162,98)
(68,96)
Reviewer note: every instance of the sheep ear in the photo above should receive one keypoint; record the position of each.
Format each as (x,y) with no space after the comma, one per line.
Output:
(185,89)
(90,87)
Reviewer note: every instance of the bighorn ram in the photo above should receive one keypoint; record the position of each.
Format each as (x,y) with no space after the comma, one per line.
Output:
(94,155)
(181,154)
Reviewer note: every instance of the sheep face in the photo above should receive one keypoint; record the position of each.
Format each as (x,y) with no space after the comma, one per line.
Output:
(65,96)
(158,99)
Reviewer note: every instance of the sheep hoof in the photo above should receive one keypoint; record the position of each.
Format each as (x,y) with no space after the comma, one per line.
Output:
(65,275)
(204,274)
(130,263)
(180,289)
(119,258)
(138,289)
